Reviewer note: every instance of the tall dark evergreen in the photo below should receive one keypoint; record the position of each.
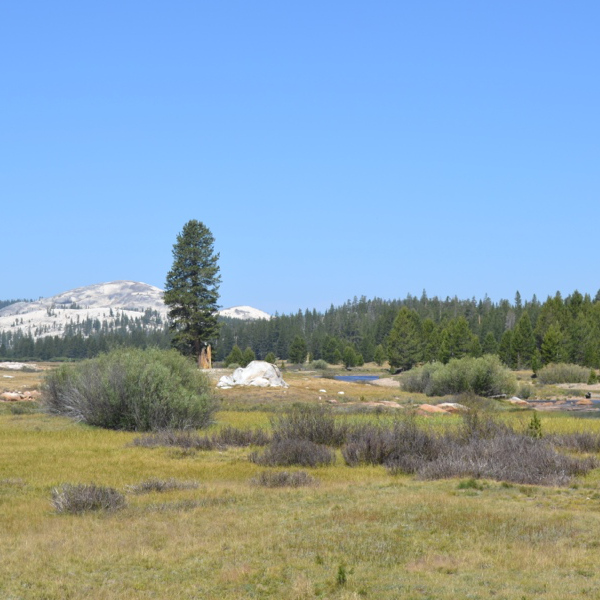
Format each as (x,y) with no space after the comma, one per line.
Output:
(523,342)
(192,290)
(405,341)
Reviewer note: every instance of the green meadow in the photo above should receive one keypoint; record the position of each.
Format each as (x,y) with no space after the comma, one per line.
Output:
(359,532)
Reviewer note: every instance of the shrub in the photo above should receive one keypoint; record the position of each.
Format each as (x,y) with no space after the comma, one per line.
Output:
(593,378)
(272,479)
(525,391)
(319,365)
(314,423)
(486,376)
(181,439)
(81,498)
(420,380)
(581,441)
(404,443)
(479,425)
(231,436)
(286,452)
(162,485)
(131,389)
(270,358)
(481,448)
(563,373)
(507,457)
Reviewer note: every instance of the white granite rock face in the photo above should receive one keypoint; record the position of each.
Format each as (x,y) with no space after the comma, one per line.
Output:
(258,373)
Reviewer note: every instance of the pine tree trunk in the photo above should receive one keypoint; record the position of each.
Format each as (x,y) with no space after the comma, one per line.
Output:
(205,358)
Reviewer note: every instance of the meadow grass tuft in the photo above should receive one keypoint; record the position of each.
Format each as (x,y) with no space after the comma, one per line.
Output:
(81,498)
(272,479)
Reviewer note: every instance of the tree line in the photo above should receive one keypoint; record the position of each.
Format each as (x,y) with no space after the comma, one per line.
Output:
(524,334)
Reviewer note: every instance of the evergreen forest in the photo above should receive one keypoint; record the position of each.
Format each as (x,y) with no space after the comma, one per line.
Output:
(524,334)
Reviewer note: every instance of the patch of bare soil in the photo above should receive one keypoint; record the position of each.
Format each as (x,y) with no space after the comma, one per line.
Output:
(386,382)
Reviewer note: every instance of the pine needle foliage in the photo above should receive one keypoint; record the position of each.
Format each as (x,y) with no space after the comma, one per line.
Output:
(192,289)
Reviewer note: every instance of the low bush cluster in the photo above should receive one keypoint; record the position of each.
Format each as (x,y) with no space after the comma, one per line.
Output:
(563,373)
(275,479)
(485,376)
(162,485)
(186,439)
(289,451)
(314,423)
(581,441)
(481,449)
(319,365)
(380,446)
(76,499)
(133,390)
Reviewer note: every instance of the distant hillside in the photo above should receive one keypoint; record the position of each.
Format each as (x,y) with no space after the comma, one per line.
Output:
(104,307)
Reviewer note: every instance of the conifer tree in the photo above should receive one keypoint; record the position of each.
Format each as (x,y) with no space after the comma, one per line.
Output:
(191,290)
(554,346)
(379,355)
(490,345)
(405,342)
(298,350)
(248,357)
(523,342)
(235,357)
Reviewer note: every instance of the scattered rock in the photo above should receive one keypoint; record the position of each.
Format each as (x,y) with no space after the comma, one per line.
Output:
(517,401)
(322,391)
(10,396)
(584,402)
(428,409)
(453,407)
(258,373)
(341,393)
(17,366)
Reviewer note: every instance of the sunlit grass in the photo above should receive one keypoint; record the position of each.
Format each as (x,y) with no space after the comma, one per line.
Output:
(397,536)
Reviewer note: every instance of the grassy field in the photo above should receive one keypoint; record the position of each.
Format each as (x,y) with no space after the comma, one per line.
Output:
(359,533)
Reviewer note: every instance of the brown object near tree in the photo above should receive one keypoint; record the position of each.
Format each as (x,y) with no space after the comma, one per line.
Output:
(205,358)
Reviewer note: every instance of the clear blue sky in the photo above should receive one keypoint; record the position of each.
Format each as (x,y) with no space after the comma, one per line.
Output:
(333,148)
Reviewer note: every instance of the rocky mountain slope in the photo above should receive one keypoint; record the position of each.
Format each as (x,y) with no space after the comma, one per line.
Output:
(102,306)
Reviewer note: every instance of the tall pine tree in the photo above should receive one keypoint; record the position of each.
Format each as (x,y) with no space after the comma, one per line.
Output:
(191,291)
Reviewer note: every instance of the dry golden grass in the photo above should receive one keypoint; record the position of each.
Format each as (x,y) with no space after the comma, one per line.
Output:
(397,537)
(13,381)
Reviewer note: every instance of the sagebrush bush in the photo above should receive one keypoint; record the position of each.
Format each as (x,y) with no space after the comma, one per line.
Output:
(232,436)
(374,445)
(75,499)
(563,373)
(186,439)
(272,479)
(287,452)
(315,423)
(131,389)
(162,485)
(510,457)
(481,448)
(485,376)
(579,441)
